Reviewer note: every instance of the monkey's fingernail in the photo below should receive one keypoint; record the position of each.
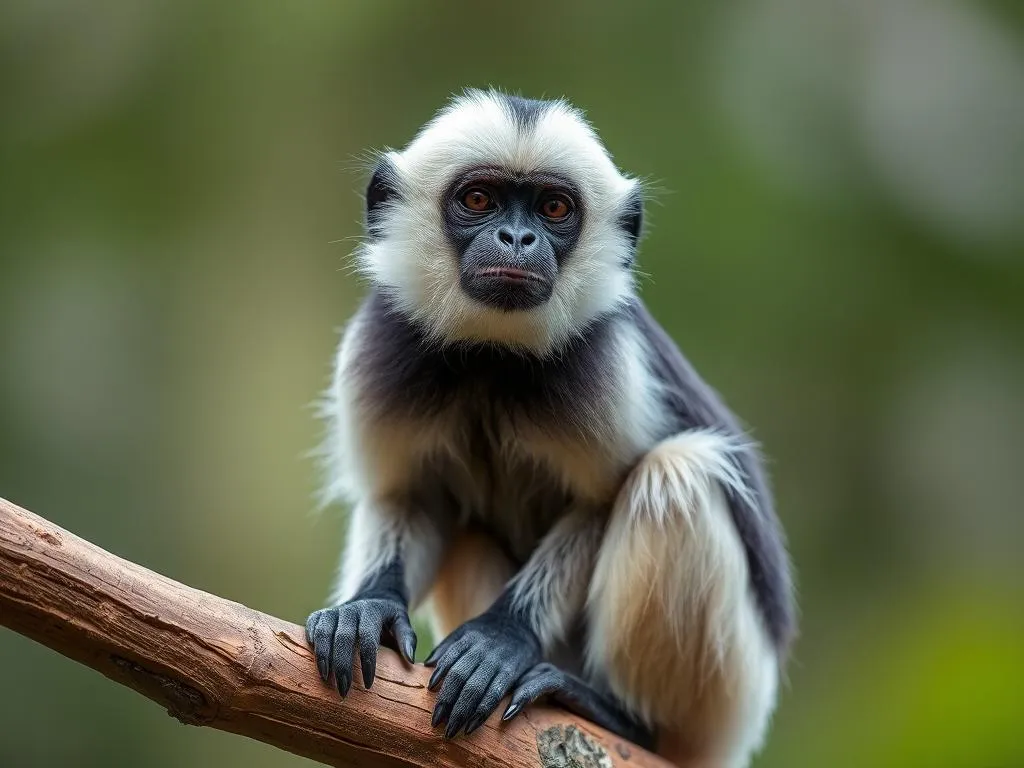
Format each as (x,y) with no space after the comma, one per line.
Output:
(431,660)
(475,723)
(344,683)
(451,730)
(434,679)
(409,649)
(438,716)
(512,711)
(323,668)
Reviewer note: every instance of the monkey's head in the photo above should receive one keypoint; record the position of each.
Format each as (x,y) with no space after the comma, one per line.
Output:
(505,220)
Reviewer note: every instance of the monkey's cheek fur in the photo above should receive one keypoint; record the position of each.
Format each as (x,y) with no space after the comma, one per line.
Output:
(479,664)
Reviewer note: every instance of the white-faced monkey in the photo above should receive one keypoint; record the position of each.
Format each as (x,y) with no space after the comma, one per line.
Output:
(527,452)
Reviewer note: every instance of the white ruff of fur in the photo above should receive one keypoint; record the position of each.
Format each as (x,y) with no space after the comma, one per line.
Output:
(415,264)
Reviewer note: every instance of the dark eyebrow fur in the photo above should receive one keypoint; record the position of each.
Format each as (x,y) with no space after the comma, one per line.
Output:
(504,175)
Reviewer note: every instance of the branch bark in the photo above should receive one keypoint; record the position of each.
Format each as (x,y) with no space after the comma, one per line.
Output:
(217,663)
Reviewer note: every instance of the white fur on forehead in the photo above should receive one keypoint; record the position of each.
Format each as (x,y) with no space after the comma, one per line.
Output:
(415,263)
(477,129)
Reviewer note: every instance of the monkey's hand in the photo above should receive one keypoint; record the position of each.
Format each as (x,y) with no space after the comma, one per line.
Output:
(479,663)
(577,696)
(335,634)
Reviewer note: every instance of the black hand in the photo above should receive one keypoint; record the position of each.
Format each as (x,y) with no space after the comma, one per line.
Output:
(580,698)
(336,634)
(479,663)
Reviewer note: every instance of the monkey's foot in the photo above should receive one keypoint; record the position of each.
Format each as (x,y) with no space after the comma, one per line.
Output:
(479,663)
(579,698)
(336,633)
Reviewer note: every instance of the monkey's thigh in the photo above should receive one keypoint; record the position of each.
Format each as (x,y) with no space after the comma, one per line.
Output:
(674,627)
(472,574)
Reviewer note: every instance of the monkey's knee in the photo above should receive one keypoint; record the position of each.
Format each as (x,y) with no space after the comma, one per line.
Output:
(472,574)
(675,630)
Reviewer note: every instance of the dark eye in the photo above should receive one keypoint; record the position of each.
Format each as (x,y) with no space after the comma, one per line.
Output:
(555,207)
(477,200)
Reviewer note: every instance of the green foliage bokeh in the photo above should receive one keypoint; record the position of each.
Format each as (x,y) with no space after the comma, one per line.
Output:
(837,242)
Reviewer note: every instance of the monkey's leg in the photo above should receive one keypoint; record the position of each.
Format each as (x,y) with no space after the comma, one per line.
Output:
(675,631)
(579,697)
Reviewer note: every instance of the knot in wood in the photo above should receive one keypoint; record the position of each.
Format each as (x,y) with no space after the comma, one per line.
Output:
(570,747)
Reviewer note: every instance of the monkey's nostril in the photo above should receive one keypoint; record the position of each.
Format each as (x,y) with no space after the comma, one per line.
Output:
(528,238)
(506,237)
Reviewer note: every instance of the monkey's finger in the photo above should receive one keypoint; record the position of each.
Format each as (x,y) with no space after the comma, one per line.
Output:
(371,624)
(531,674)
(444,645)
(472,693)
(405,636)
(344,647)
(433,656)
(320,631)
(454,681)
(496,691)
(450,656)
(533,685)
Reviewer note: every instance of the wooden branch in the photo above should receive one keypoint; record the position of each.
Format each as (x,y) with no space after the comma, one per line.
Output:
(214,662)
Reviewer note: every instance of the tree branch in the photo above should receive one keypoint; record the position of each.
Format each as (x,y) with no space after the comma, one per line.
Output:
(214,662)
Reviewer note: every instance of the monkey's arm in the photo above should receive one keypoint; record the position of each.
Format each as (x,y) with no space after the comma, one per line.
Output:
(481,660)
(392,550)
(393,545)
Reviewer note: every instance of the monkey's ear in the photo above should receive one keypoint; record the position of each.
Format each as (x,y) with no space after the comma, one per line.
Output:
(631,218)
(379,191)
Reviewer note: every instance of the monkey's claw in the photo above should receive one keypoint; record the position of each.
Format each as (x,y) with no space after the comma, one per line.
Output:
(543,680)
(359,625)
(479,663)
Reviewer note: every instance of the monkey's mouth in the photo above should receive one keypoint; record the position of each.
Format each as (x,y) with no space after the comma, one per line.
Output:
(507,288)
(509,274)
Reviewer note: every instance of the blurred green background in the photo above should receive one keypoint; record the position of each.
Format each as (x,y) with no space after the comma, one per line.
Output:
(838,246)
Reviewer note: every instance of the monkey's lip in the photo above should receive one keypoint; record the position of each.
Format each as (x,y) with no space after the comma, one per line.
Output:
(510,274)
(507,288)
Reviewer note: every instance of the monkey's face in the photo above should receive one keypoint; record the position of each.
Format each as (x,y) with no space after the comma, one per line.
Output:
(505,221)
(511,232)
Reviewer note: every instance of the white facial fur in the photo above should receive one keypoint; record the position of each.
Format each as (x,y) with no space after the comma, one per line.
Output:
(417,266)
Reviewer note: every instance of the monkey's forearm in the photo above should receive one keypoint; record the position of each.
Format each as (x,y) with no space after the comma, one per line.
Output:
(391,554)
(386,531)
(550,591)
(386,583)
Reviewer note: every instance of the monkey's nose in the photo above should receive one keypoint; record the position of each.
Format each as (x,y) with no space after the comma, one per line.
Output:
(518,239)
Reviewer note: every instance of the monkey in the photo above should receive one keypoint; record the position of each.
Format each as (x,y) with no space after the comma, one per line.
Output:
(527,455)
